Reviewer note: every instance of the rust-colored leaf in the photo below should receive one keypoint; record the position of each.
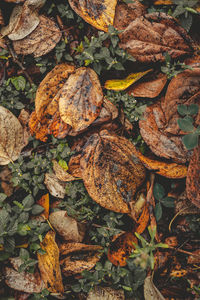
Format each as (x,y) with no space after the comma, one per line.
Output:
(44,202)
(74,166)
(110,170)
(163,2)
(178,273)
(121,248)
(149,87)
(194,258)
(40,41)
(147,38)
(193,178)
(80,99)
(49,264)
(67,248)
(99,14)
(143,220)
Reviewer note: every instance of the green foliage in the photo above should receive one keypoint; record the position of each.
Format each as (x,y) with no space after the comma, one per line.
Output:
(40,296)
(143,255)
(28,264)
(191,139)
(161,200)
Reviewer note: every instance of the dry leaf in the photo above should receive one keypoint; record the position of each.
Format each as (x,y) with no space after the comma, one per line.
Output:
(193,178)
(48,264)
(150,291)
(80,99)
(110,170)
(68,248)
(22,281)
(121,248)
(122,84)
(40,41)
(108,112)
(125,13)
(105,293)
(143,220)
(6,184)
(149,87)
(163,2)
(98,13)
(178,273)
(74,166)
(183,206)
(44,202)
(147,38)
(67,227)
(61,174)
(54,185)
(11,137)
(194,258)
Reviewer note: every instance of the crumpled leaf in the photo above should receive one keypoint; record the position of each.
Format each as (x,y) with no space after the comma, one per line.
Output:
(105,293)
(48,264)
(11,137)
(125,13)
(41,40)
(122,84)
(147,38)
(110,170)
(98,13)
(143,220)
(121,248)
(150,290)
(193,178)
(22,281)
(67,227)
(79,257)
(61,174)
(55,186)
(80,99)
(149,87)
(23,20)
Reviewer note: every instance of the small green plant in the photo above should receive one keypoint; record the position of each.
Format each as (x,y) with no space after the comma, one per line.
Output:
(172,69)
(28,264)
(40,296)
(191,139)
(161,200)
(143,255)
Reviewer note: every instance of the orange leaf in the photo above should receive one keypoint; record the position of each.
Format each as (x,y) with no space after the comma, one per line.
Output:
(143,220)
(44,202)
(178,273)
(163,2)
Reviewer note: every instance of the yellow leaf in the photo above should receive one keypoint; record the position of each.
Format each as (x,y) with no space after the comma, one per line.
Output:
(48,264)
(163,2)
(123,84)
(178,273)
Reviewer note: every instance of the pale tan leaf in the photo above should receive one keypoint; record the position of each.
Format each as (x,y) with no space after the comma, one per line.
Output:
(54,185)
(150,290)
(61,174)
(106,293)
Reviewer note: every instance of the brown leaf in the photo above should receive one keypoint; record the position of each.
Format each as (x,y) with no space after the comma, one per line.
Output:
(22,281)
(40,41)
(99,14)
(54,185)
(183,206)
(11,137)
(110,170)
(48,264)
(108,112)
(61,174)
(6,184)
(105,293)
(80,99)
(193,178)
(67,227)
(74,166)
(1,18)
(194,258)
(125,13)
(149,87)
(150,290)
(67,248)
(44,202)
(148,37)
(143,220)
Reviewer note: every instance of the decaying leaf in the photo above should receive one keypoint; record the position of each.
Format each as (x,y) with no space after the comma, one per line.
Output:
(11,137)
(110,170)
(193,178)
(125,13)
(194,258)
(149,87)
(61,174)
(80,99)
(163,2)
(44,202)
(23,281)
(5,178)
(150,291)
(98,13)
(108,113)
(178,273)
(143,220)
(48,264)
(55,186)
(183,206)
(74,166)
(106,293)
(67,227)
(122,84)
(121,248)
(79,257)
(147,38)
(40,41)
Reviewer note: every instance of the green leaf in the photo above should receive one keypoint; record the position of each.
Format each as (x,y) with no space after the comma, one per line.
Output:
(37,209)
(19,82)
(182,109)
(4,218)
(190,140)
(3,196)
(193,109)
(28,201)
(24,254)
(158,211)
(158,191)
(168,201)
(185,124)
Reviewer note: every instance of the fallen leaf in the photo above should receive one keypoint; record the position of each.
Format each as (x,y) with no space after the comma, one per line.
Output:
(41,40)
(99,14)
(67,227)
(105,293)
(74,166)
(194,258)
(108,112)
(143,220)
(149,87)
(67,248)
(183,206)
(147,38)
(80,99)
(6,184)
(48,264)
(150,290)
(61,174)
(11,137)
(171,241)
(54,185)
(121,248)
(193,178)
(178,273)
(22,281)
(123,84)
(44,202)
(163,2)
(110,170)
